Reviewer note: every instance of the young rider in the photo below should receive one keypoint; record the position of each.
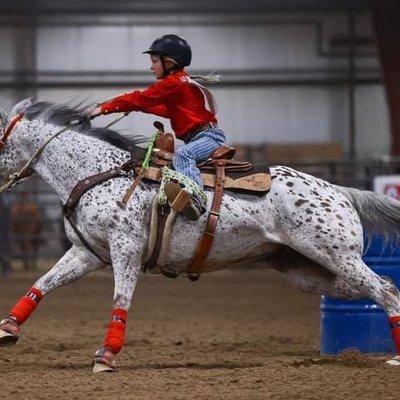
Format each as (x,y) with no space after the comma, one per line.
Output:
(181,99)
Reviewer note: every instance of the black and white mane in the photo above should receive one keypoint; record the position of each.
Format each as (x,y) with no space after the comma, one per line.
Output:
(76,116)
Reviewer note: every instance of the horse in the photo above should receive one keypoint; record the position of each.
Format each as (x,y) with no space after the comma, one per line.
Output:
(319,225)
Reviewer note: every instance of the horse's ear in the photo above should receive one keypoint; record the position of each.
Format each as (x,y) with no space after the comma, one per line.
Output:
(21,106)
(3,120)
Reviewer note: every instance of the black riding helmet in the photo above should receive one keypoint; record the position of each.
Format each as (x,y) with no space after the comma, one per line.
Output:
(173,46)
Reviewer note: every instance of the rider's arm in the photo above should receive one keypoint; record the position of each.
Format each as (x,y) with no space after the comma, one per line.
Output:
(156,95)
(161,111)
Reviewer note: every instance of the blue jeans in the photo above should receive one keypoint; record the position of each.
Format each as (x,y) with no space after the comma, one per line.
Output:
(198,149)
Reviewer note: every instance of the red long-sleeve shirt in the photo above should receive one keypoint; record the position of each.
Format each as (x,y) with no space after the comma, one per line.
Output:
(172,97)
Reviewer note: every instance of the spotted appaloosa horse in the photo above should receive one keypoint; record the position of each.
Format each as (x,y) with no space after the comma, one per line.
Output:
(320,224)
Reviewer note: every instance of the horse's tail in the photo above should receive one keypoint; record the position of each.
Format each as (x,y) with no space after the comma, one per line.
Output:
(378,213)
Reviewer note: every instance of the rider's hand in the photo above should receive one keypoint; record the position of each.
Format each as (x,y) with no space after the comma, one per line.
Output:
(95,112)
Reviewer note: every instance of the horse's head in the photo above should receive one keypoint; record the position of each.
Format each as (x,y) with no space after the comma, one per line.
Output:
(10,155)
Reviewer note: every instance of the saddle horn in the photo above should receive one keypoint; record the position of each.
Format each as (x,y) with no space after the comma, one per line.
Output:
(159,126)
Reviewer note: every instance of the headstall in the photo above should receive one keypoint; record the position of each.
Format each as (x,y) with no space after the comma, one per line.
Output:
(9,129)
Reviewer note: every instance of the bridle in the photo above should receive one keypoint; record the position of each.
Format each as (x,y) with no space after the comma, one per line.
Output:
(26,171)
(9,129)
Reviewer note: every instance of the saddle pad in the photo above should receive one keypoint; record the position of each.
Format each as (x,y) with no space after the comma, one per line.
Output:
(256,181)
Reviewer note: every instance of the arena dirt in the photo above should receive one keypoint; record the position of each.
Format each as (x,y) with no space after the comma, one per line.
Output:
(232,335)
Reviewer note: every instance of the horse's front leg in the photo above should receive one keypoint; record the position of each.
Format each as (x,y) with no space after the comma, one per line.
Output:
(126,267)
(75,263)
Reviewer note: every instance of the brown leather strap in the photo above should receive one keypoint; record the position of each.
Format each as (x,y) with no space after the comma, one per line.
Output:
(88,183)
(163,212)
(203,249)
(81,188)
(132,188)
(233,165)
(9,129)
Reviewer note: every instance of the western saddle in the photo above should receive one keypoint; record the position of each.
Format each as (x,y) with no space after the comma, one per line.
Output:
(221,172)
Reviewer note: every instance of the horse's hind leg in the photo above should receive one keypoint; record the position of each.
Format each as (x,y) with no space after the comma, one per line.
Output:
(75,263)
(382,291)
(385,293)
(310,277)
(353,279)
(317,220)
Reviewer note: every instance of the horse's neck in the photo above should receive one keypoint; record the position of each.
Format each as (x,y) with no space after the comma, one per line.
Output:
(70,157)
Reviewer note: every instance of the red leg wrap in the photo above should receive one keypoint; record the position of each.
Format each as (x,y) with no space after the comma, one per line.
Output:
(26,305)
(395,324)
(116,331)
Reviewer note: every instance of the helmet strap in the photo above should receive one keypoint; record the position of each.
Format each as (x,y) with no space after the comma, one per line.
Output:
(165,70)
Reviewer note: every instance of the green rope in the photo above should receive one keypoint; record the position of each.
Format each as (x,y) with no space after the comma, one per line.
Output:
(149,152)
(168,174)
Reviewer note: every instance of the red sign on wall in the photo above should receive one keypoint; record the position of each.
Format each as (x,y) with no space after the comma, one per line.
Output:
(392,190)
(388,184)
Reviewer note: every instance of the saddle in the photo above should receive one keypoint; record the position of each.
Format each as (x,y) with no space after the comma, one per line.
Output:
(220,172)
(240,176)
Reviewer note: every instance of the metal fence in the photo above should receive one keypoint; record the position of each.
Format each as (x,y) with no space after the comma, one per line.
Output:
(31,226)
(357,174)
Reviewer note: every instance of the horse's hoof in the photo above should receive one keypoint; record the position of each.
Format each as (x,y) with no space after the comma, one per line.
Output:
(7,338)
(104,361)
(100,367)
(395,361)
(9,332)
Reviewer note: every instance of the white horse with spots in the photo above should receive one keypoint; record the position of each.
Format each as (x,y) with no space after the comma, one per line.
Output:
(320,225)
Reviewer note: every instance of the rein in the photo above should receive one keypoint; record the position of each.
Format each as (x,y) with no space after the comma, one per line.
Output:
(27,170)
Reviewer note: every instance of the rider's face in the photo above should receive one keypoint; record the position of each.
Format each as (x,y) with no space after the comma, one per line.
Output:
(156,66)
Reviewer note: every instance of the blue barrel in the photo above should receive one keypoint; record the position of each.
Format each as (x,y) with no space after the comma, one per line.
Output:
(361,324)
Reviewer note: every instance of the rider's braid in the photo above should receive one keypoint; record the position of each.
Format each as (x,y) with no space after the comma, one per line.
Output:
(26,305)
(116,331)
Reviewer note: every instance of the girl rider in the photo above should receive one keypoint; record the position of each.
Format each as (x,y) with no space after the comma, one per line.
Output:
(181,99)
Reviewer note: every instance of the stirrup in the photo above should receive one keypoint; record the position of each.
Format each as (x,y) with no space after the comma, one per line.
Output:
(181,201)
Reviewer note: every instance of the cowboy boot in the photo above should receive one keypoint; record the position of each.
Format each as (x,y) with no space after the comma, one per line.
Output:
(181,200)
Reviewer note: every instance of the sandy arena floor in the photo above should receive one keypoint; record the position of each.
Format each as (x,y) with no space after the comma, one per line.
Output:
(232,335)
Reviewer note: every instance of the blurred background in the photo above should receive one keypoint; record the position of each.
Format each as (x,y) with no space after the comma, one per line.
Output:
(314,84)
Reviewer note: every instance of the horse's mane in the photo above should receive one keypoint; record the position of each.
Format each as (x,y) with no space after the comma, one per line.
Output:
(64,115)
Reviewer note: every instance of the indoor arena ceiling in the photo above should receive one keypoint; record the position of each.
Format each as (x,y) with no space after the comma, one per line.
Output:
(122,6)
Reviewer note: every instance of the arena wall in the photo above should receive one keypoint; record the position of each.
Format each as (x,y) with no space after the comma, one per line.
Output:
(284,77)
